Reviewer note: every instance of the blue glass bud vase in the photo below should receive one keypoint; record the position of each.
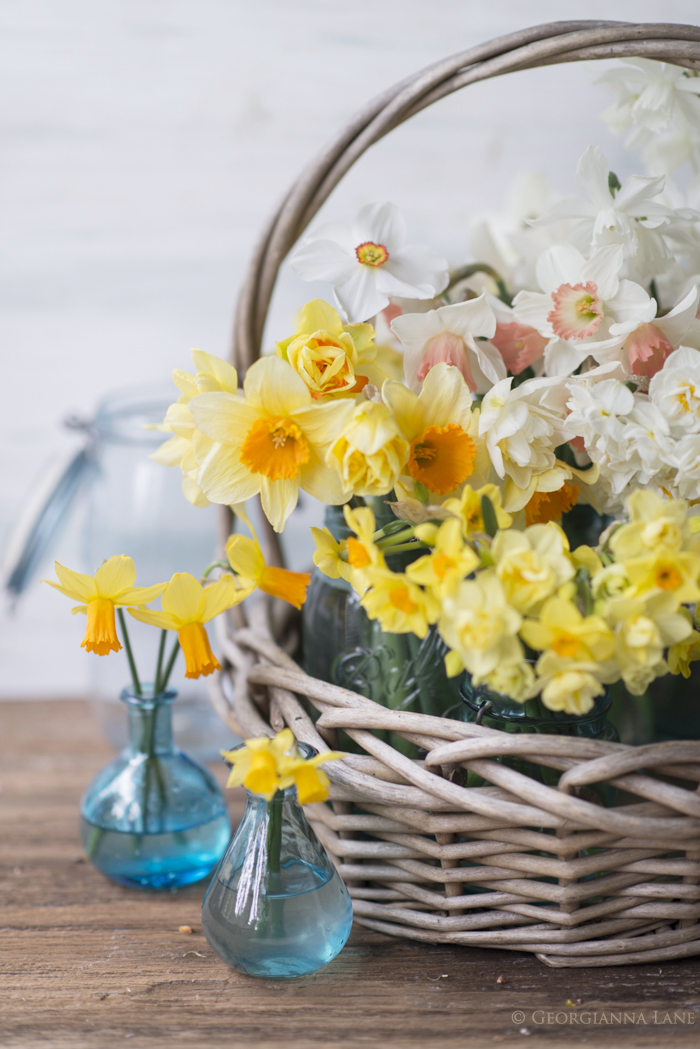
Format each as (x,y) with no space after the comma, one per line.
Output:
(276,906)
(153,818)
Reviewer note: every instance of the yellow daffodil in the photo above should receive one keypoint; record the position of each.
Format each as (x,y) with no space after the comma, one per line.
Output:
(585,557)
(362,551)
(272,441)
(266,765)
(451,560)
(437,425)
(654,523)
(213,375)
(561,628)
(644,627)
(467,507)
(370,450)
(327,555)
(481,627)
(532,565)
(186,607)
(672,570)
(685,652)
(331,357)
(512,679)
(611,582)
(400,606)
(112,584)
(247,561)
(567,687)
(550,506)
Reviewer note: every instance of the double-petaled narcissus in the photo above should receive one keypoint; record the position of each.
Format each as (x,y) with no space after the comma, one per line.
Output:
(186,607)
(264,766)
(111,585)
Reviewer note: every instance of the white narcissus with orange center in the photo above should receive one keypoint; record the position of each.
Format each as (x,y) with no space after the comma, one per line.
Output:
(439,426)
(272,441)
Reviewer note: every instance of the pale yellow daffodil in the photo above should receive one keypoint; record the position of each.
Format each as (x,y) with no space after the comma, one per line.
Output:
(264,766)
(561,628)
(331,357)
(370,451)
(654,523)
(186,606)
(467,508)
(436,423)
(112,584)
(213,375)
(272,441)
(327,555)
(451,560)
(532,565)
(481,627)
(400,606)
(566,685)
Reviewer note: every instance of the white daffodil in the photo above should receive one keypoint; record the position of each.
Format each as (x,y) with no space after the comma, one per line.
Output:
(628,217)
(584,305)
(652,96)
(369,261)
(522,428)
(675,391)
(651,343)
(454,335)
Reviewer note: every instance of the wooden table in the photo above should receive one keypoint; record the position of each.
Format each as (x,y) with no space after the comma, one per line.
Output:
(87,963)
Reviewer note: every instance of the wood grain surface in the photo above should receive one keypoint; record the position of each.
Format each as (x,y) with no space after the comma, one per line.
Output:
(87,964)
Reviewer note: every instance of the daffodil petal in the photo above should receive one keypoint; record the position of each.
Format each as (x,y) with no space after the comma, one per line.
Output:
(245,557)
(154,617)
(115,575)
(140,595)
(78,608)
(278,500)
(273,386)
(183,598)
(75,584)
(218,597)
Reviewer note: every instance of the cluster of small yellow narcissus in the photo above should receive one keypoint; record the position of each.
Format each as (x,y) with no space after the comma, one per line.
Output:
(329,413)
(586,618)
(186,605)
(265,766)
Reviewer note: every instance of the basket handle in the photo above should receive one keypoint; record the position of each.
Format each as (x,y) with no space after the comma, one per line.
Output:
(541,45)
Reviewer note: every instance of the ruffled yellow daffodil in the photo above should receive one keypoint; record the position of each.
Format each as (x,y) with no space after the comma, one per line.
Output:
(264,766)
(400,606)
(272,441)
(532,565)
(186,607)
(369,451)
(331,357)
(561,628)
(213,375)
(567,685)
(467,508)
(480,627)
(451,560)
(111,585)
(654,523)
(437,425)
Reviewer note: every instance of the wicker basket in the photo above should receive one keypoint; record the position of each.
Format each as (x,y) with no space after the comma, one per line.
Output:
(573,882)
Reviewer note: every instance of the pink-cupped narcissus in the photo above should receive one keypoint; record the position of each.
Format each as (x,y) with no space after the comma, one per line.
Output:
(186,607)
(111,585)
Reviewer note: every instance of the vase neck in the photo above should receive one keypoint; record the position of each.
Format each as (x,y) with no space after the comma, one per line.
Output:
(150,722)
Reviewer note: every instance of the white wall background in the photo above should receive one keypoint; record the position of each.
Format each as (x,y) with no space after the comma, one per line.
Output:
(145,141)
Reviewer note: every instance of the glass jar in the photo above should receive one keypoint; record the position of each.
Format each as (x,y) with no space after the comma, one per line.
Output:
(344,646)
(135,506)
(152,818)
(494,710)
(276,906)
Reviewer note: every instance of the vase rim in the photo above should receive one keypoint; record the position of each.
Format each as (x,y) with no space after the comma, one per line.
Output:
(147,697)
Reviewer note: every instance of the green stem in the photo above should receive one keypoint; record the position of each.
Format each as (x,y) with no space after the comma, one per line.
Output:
(129,653)
(400,547)
(394,540)
(159,664)
(171,664)
(274,833)
(480,267)
(213,565)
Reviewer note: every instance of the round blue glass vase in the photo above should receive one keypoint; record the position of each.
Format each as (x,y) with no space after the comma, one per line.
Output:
(276,906)
(153,818)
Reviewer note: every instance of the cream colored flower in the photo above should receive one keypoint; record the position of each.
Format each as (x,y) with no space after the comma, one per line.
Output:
(467,508)
(369,451)
(512,679)
(532,565)
(561,628)
(480,627)
(654,522)
(273,441)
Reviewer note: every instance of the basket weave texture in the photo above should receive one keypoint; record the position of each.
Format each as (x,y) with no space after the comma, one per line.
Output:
(554,873)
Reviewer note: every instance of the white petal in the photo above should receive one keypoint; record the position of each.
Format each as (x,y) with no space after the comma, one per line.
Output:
(323,260)
(630,307)
(592,177)
(561,358)
(474,317)
(489,363)
(602,268)
(359,297)
(416,266)
(382,224)
(561,264)
(532,308)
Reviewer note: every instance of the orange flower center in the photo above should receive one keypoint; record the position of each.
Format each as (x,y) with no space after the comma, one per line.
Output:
(357,555)
(101,634)
(199,658)
(401,599)
(371,254)
(275,448)
(289,586)
(442,458)
(549,506)
(566,645)
(442,564)
(667,578)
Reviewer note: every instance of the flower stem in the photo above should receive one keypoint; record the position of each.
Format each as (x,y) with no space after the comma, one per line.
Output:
(129,653)
(274,833)
(159,665)
(170,665)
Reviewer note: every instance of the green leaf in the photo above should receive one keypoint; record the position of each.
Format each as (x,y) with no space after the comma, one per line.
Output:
(613,183)
(421,493)
(489,515)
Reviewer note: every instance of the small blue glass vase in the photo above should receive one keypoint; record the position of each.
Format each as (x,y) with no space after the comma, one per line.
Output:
(153,818)
(276,906)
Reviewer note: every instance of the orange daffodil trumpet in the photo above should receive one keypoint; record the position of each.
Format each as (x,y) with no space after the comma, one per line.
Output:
(186,607)
(264,766)
(112,585)
(246,559)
